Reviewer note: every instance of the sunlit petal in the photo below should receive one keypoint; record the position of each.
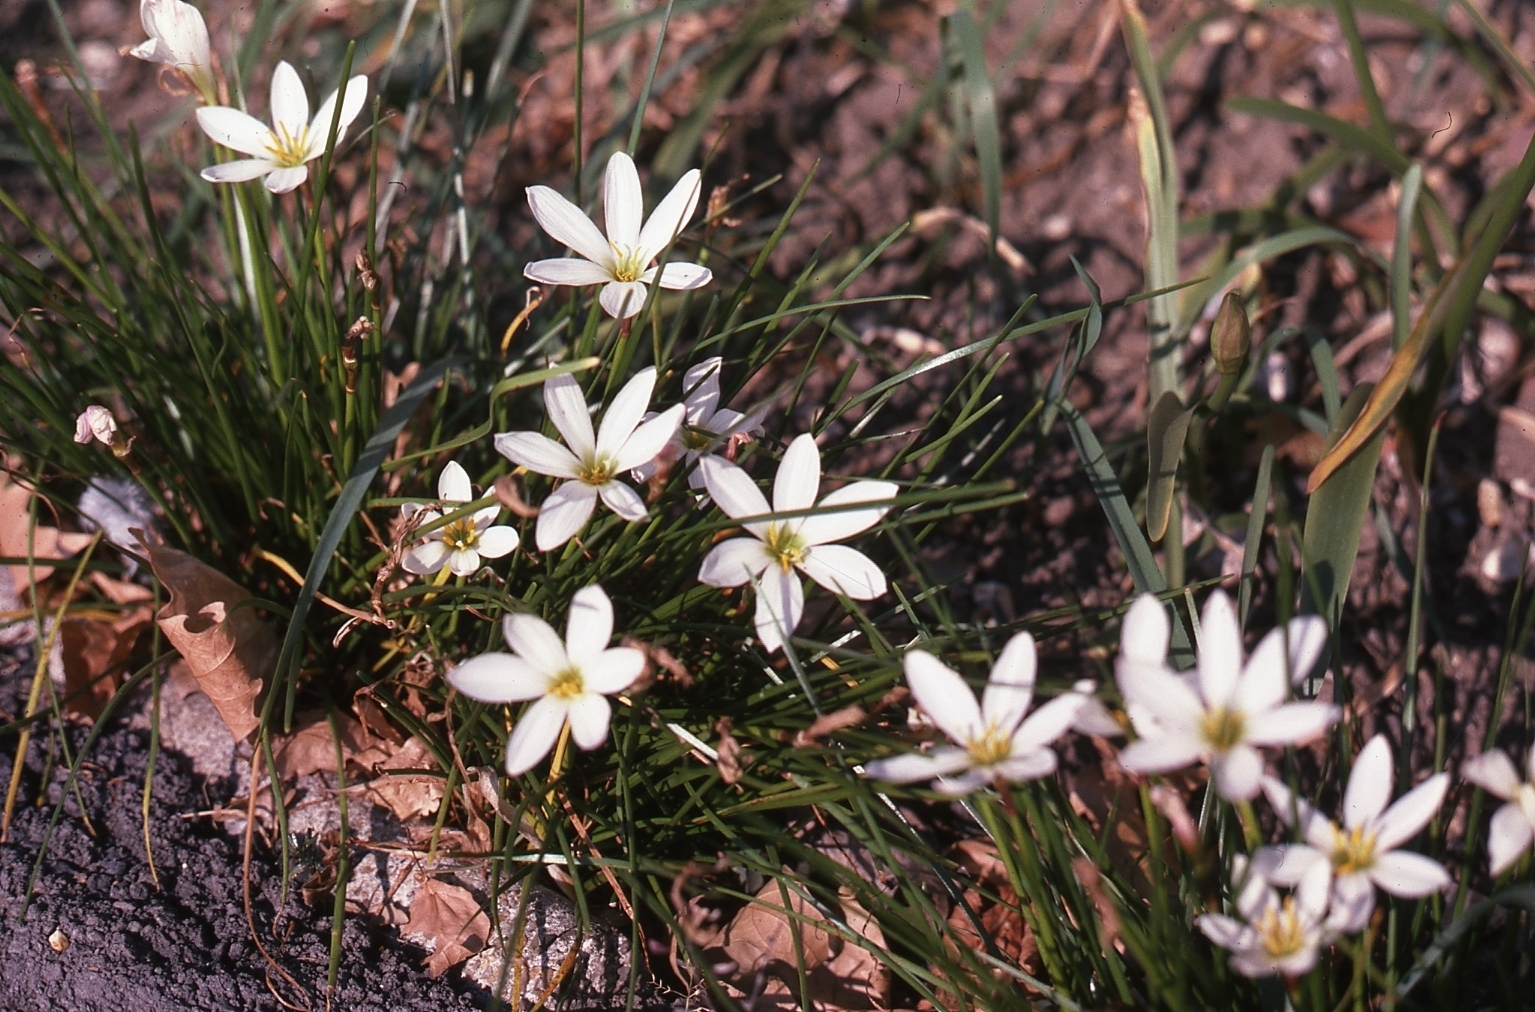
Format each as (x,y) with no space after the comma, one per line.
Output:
(536,642)
(845,571)
(623,299)
(943,696)
(1292,723)
(453,483)
(1048,723)
(425,558)
(1237,772)
(238,171)
(624,413)
(649,439)
(567,271)
(838,522)
(563,514)
(905,769)
(614,670)
(622,201)
(534,735)
(1162,754)
(589,715)
(1411,812)
(287,180)
(799,476)
(498,678)
(733,562)
(1144,636)
(566,223)
(566,405)
(1493,771)
(235,130)
(1508,836)
(733,490)
(681,277)
(1369,783)
(537,453)
(1010,688)
(498,541)
(1220,651)
(669,217)
(589,626)
(1410,876)
(780,602)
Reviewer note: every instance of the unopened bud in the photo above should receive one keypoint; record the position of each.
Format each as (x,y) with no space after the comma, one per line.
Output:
(1231,338)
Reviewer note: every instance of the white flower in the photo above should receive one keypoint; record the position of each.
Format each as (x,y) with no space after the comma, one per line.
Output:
(1274,935)
(281,152)
(178,37)
(569,680)
(1363,854)
(97,423)
(1220,713)
(778,547)
(621,261)
(706,427)
(991,739)
(1513,825)
(591,462)
(461,544)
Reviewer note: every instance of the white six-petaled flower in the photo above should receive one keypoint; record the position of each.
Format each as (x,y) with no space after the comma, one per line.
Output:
(590,463)
(1274,934)
(991,739)
(1362,854)
(706,427)
(282,151)
(459,544)
(178,38)
(569,680)
(776,548)
(621,261)
(97,423)
(1513,825)
(1219,713)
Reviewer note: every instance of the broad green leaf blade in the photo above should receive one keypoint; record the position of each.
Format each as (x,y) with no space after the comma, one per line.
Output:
(1166,430)
(983,118)
(1401,256)
(1335,519)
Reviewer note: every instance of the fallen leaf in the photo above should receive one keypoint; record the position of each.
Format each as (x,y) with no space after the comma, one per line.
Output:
(449,918)
(729,751)
(229,648)
(48,543)
(408,796)
(312,748)
(837,720)
(120,591)
(92,655)
(997,908)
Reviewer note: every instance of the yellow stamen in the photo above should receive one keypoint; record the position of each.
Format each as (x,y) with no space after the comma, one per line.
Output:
(783,543)
(1224,728)
(1352,852)
(289,150)
(568,684)
(628,266)
(1281,932)
(461,535)
(990,747)
(596,470)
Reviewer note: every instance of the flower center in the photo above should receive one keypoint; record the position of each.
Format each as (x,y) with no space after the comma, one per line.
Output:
(460,535)
(1353,851)
(1224,728)
(287,149)
(568,684)
(784,545)
(1281,932)
(596,470)
(990,747)
(697,440)
(629,266)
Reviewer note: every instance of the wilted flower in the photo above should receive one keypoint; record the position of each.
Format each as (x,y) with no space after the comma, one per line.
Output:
(778,547)
(178,38)
(1363,854)
(1274,935)
(97,423)
(706,427)
(281,152)
(592,462)
(569,680)
(459,544)
(991,739)
(1220,713)
(1513,825)
(621,262)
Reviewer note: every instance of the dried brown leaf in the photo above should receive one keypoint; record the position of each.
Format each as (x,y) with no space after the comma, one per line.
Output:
(830,723)
(729,752)
(408,796)
(229,648)
(93,654)
(48,543)
(312,748)
(451,919)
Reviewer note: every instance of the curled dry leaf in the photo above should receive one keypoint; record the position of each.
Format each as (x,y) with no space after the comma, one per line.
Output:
(407,795)
(229,648)
(993,902)
(312,748)
(48,543)
(449,918)
(90,657)
(729,750)
(829,723)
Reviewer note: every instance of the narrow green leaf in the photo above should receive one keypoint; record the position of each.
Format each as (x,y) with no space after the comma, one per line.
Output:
(1335,519)
(1166,430)
(1401,256)
(983,117)
(1255,524)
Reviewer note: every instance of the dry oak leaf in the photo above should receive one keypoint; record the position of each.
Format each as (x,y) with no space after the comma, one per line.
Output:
(1001,918)
(840,975)
(92,654)
(408,796)
(312,748)
(451,921)
(229,648)
(48,543)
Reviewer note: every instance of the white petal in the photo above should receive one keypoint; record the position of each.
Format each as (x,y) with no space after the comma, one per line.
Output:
(1167,697)
(453,483)
(1237,773)
(1508,836)
(566,405)
(838,522)
(943,696)
(1312,891)
(238,171)
(1369,783)
(1027,765)
(1291,809)
(180,30)
(1493,772)
(669,217)
(589,626)
(464,561)
(649,439)
(566,271)
(614,670)
(1292,723)
(1264,682)
(1308,638)
(780,602)
(1047,723)
(425,558)
(287,180)
(1409,875)
(624,501)
(904,769)
(289,103)
(534,735)
(623,202)
(497,678)
(1146,631)
(624,413)
(845,571)
(537,452)
(566,223)
(589,715)
(498,541)
(563,514)
(1095,719)
(236,130)
(536,642)
(623,299)
(733,562)
(1287,864)
(351,106)
(966,783)
(1353,901)
(681,277)
(1411,812)
(733,491)
(701,389)
(1162,754)
(799,476)
(1220,650)
(1010,687)
(1227,932)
